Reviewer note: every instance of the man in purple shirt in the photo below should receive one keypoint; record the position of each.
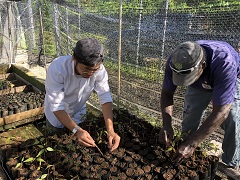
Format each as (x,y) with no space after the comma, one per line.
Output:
(211,71)
(238,47)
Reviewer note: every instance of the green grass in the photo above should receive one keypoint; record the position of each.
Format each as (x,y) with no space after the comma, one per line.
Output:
(145,73)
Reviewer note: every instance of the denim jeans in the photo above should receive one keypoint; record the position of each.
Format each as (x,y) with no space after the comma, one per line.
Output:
(195,104)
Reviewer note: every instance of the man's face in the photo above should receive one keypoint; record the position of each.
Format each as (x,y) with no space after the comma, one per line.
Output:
(85,71)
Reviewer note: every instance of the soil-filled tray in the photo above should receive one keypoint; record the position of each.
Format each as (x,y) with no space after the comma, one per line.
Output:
(139,156)
(20,102)
(9,82)
(19,108)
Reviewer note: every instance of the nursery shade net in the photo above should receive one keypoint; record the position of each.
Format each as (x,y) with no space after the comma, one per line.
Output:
(42,30)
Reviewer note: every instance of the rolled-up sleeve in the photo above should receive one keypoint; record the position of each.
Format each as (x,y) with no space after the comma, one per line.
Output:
(102,87)
(54,89)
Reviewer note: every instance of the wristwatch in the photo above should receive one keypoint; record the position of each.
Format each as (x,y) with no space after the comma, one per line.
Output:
(74,131)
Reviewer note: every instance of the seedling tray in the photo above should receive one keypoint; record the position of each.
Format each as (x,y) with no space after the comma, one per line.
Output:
(139,155)
(20,102)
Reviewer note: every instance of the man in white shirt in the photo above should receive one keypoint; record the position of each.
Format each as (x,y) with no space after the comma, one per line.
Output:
(69,83)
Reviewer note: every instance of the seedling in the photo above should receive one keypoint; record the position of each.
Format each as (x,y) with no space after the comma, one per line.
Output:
(41,144)
(43,176)
(20,164)
(214,146)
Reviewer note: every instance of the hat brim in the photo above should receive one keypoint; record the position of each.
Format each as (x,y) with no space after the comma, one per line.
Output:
(185,79)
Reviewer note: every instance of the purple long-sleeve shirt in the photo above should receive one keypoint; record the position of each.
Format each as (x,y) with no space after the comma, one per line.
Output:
(220,74)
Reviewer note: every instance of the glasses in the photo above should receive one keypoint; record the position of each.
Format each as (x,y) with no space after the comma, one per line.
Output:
(87,70)
(184,71)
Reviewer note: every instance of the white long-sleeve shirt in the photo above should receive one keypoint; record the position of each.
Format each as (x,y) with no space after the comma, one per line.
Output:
(65,90)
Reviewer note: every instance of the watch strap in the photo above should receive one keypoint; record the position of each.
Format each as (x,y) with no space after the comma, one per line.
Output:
(74,131)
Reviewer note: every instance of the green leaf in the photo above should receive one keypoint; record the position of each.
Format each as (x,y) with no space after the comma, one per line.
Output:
(36,142)
(211,144)
(44,176)
(40,153)
(49,149)
(16,157)
(41,146)
(40,160)
(18,165)
(29,159)
(48,166)
(169,149)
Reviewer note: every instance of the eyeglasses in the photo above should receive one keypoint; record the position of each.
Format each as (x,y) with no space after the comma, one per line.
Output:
(88,70)
(184,71)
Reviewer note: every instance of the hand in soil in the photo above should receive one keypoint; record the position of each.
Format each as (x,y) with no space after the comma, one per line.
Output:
(84,138)
(184,151)
(166,136)
(113,141)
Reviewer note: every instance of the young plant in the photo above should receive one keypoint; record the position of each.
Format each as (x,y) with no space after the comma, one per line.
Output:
(100,135)
(42,145)
(43,176)
(20,164)
(43,149)
(214,147)
(177,140)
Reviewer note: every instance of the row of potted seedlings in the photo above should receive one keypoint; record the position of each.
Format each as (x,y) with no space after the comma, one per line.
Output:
(140,156)
(4,84)
(20,102)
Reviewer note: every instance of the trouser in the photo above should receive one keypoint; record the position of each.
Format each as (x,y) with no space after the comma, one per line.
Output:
(195,104)
(50,129)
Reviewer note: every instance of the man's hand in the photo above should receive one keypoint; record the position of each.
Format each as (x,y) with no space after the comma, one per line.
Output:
(166,135)
(113,141)
(84,138)
(184,151)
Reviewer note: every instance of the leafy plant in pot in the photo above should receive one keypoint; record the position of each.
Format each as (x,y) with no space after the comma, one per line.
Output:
(214,160)
(177,140)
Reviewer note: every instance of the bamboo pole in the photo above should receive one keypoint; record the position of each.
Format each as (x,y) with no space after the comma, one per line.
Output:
(119,55)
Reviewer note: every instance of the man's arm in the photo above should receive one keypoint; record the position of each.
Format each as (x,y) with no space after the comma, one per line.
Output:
(213,121)
(65,119)
(108,116)
(167,109)
(113,138)
(83,136)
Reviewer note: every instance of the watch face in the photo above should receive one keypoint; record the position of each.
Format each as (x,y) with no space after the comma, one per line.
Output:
(74,130)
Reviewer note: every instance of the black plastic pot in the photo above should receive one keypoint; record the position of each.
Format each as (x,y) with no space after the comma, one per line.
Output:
(4,112)
(203,173)
(214,161)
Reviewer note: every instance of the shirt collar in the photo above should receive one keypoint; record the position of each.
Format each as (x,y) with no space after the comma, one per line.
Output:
(73,70)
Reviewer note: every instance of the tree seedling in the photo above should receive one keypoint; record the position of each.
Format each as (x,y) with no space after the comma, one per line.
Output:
(214,146)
